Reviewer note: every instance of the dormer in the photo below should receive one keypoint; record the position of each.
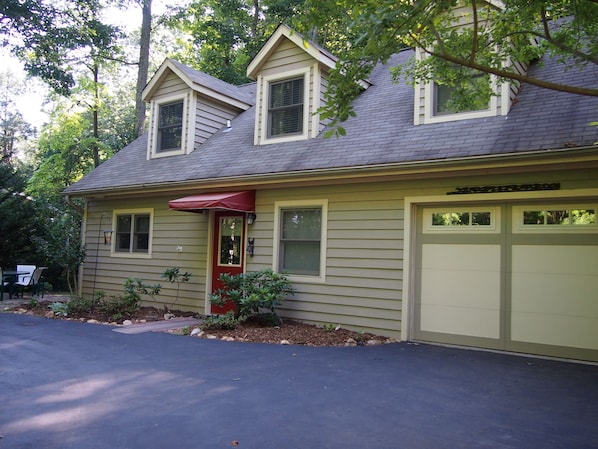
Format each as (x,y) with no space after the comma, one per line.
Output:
(436,102)
(291,76)
(187,107)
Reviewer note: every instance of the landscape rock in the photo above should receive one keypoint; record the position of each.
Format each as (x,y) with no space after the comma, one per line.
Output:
(127,322)
(169,316)
(373,342)
(227,338)
(196,331)
(285,342)
(93,321)
(351,342)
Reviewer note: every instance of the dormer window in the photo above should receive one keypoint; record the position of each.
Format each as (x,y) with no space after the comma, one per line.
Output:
(285,111)
(284,105)
(470,92)
(462,94)
(170,127)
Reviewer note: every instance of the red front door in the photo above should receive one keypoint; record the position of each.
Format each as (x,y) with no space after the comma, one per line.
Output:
(228,248)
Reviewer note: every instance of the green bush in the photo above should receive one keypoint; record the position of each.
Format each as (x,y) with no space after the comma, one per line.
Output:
(226,321)
(79,305)
(115,307)
(255,293)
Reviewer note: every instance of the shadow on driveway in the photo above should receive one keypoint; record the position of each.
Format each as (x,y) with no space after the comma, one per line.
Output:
(66,384)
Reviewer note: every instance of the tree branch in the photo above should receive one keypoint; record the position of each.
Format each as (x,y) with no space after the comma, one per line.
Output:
(514,76)
(474,43)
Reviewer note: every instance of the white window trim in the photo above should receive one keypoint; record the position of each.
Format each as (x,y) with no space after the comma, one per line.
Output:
(493,228)
(132,255)
(278,207)
(430,117)
(188,125)
(500,99)
(261,126)
(520,228)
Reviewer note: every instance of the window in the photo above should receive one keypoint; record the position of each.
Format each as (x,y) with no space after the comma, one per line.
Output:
(555,218)
(285,107)
(170,127)
(469,91)
(300,243)
(133,232)
(461,219)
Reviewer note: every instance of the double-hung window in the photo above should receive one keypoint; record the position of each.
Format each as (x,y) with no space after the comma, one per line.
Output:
(301,239)
(170,127)
(133,232)
(285,107)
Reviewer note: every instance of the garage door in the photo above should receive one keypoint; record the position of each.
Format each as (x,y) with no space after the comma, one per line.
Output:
(513,277)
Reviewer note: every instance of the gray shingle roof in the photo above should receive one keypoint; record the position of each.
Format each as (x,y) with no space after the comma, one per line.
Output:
(216,84)
(381,133)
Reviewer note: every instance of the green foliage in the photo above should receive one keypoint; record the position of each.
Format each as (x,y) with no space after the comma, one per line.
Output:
(78,305)
(226,321)
(174,275)
(51,35)
(225,35)
(134,288)
(255,293)
(329,327)
(375,30)
(59,308)
(115,307)
(20,220)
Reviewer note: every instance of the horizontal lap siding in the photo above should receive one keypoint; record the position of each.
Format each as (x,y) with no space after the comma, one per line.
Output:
(170,229)
(210,117)
(363,287)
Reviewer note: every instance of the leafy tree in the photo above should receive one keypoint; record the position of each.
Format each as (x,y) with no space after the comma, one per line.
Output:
(60,243)
(50,36)
(224,35)
(516,31)
(13,127)
(19,223)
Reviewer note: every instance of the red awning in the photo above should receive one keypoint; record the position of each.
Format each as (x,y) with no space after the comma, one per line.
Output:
(238,201)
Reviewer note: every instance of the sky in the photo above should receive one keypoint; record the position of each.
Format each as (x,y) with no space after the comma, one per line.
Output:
(30,104)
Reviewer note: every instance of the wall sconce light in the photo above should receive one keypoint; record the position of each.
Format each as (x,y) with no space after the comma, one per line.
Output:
(251,218)
(108,237)
(250,246)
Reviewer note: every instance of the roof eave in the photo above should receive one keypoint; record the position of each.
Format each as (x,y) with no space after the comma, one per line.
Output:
(429,168)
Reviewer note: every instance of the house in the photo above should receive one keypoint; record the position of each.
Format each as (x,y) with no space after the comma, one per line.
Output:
(422,223)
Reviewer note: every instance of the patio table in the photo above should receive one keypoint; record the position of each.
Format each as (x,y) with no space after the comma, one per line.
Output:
(11,276)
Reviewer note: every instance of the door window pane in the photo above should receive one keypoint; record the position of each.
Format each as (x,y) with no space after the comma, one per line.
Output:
(231,229)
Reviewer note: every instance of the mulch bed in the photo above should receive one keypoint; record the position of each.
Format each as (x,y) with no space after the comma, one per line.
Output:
(289,332)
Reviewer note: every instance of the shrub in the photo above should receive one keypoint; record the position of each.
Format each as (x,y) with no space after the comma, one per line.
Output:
(226,321)
(255,293)
(59,308)
(79,305)
(174,275)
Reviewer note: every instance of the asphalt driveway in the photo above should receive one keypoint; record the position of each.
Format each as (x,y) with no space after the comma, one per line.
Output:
(67,384)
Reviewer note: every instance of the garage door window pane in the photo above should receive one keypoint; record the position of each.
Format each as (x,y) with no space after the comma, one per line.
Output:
(559,217)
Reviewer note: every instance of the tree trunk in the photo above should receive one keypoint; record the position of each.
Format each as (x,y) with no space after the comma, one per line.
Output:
(144,48)
(96,119)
